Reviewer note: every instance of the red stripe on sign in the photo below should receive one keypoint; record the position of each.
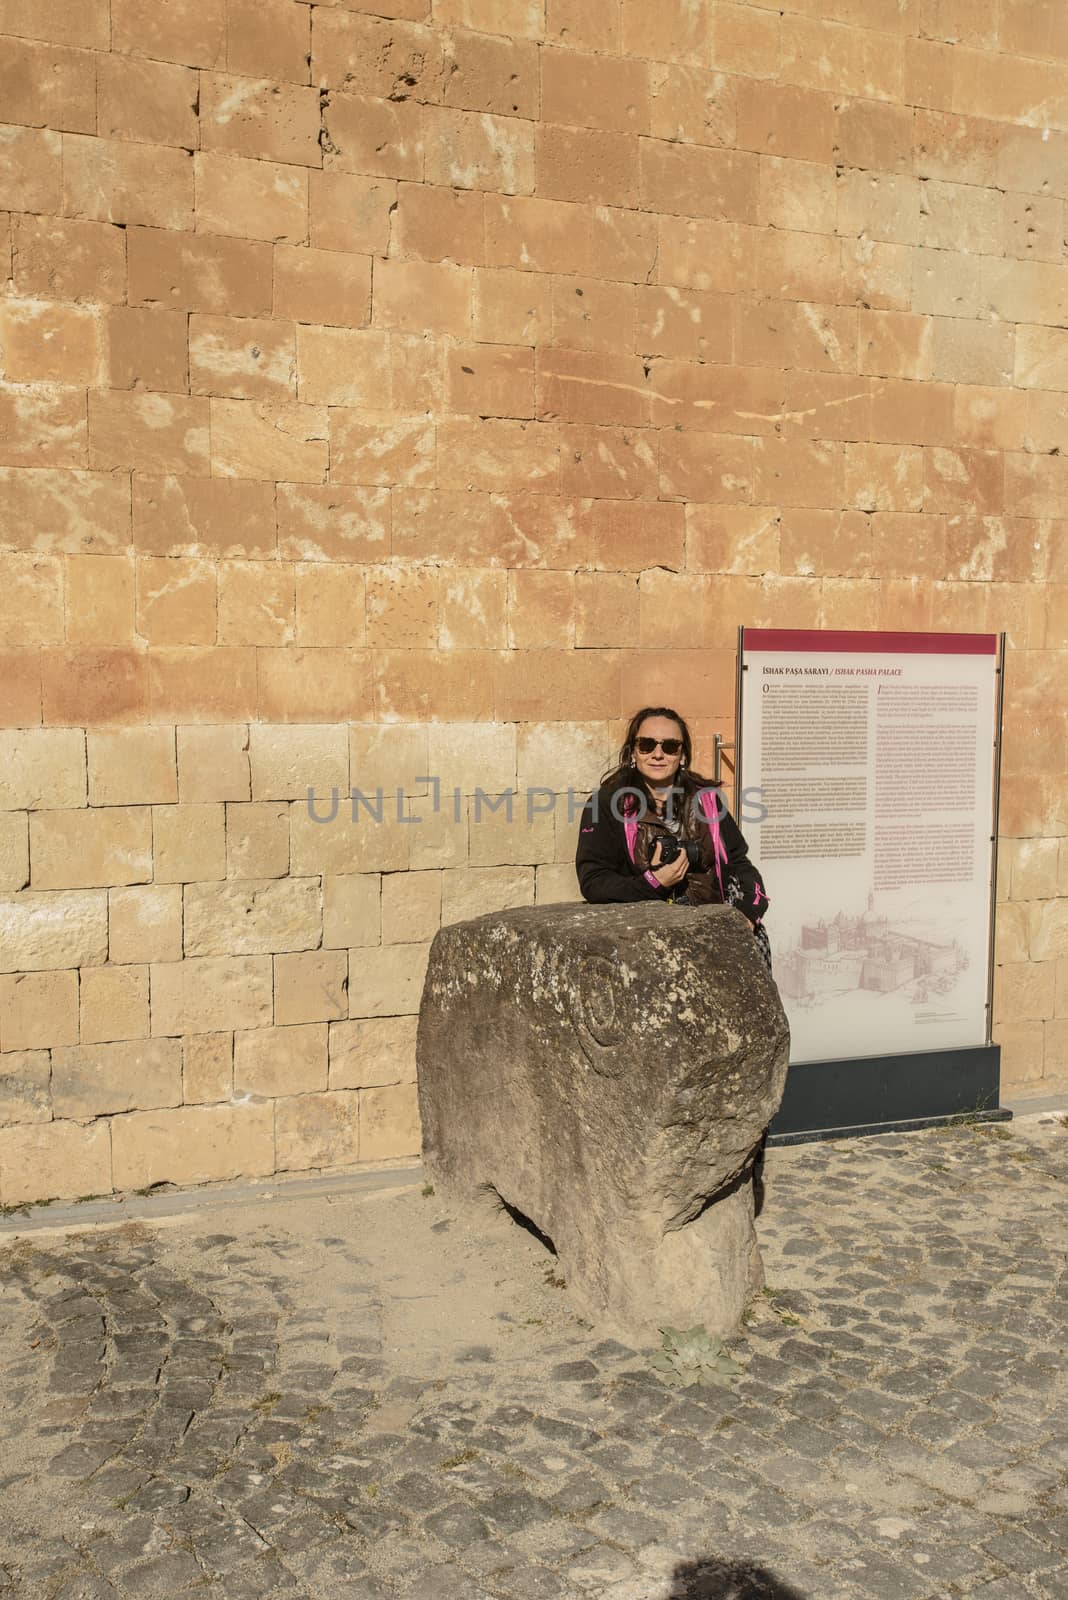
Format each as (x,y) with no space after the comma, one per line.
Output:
(895,644)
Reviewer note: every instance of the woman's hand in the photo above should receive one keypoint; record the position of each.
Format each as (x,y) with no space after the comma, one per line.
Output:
(673,873)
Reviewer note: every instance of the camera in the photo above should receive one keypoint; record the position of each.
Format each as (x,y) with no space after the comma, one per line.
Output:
(670,848)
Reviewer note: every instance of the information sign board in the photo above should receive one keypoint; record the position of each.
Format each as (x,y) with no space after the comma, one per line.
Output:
(872,761)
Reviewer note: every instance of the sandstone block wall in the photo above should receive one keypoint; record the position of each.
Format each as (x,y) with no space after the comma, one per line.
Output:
(407,387)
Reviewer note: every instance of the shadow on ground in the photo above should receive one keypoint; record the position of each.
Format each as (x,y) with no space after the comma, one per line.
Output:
(709,1579)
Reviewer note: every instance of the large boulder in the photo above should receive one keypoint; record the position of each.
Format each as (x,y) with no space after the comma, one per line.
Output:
(609,1071)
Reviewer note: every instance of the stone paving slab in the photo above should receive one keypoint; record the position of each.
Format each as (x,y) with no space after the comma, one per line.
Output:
(368,1392)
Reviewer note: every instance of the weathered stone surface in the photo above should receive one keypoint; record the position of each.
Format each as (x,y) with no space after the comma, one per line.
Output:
(42,931)
(608,1071)
(252,917)
(92,1080)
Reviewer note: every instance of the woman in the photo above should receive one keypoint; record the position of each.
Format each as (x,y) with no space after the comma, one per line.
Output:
(657,830)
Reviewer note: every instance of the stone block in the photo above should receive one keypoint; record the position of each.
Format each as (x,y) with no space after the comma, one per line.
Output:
(46,343)
(491,381)
(59,258)
(570,986)
(192,1144)
(323,840)
(389,1123)
(474,755)
(114,1005)
(207,517)
(328,683)
(257,840)
(541,610)
(322,286)
(434,224)
(190,843)
(31,605)
(39,428)
(255,917)
(1047,929)
(98,1080)
(281,1061)
(342,366)
(331,604)
(207,1068)
(38,1010)
(556,884)
(502,833)
(132,766)
(411,907)
(100,600)
(350,213)
(145,924)
(403,608)
(189,31)
(48,85)
(268,40)
(438,838)
(375,138)
(352,913)
(475,891)
(198,272)
(74,512)
(505,456)
(54,1161)
(310,987)
(211,994)
(468,150)
(176,601)
(149,102)
(32,173)
(15,850)
(589,167)
(109,180)
(259,118)
(242,358)
(473,608)
(372,1052)
(316,1130)
(389,756)
(25,1078)
(213,764)
(512,307)
(1022,1053)
(288,761)
(1034,869)
(42,769)
(256,603)
(332,523)
(521,19)
(91,849)
(387,981)
(373,57)
(213,684)
(606,608)
(149,432)
(498,76)
(1024,991)
(251,199)
(558,756)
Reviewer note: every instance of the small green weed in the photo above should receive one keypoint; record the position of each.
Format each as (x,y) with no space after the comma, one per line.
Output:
(693,1357)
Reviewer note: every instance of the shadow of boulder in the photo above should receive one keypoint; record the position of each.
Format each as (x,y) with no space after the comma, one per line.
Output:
(711,1579)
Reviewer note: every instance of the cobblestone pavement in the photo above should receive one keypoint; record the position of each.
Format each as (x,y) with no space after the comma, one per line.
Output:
(382,1395)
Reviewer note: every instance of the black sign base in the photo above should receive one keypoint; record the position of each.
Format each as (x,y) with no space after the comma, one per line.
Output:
(888,1094)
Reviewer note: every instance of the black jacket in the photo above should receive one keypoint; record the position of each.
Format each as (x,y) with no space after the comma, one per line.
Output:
(607,874)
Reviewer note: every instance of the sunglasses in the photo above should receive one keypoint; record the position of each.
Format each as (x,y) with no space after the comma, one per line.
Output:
(670,747)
